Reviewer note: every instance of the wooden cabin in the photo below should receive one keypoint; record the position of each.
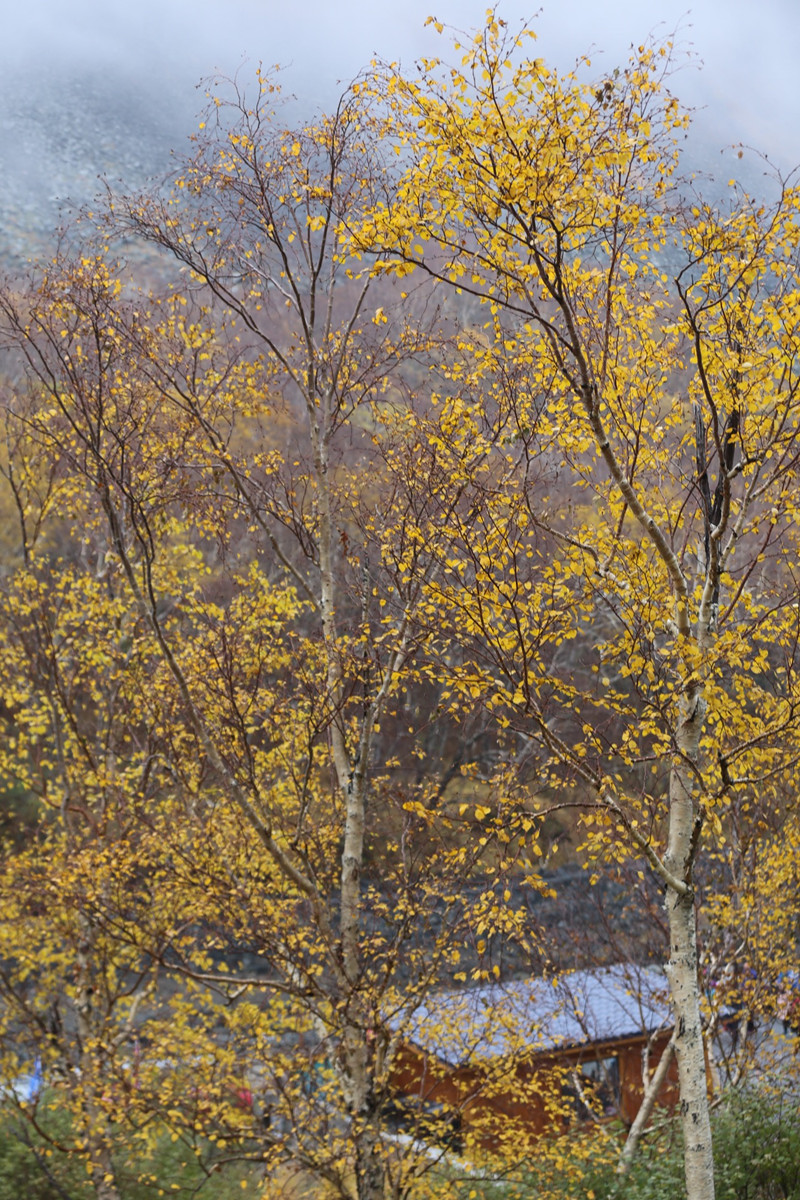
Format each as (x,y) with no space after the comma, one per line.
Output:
(498,1064)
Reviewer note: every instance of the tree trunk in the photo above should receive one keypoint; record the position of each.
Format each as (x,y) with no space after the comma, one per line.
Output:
(370,1171)
(357,1075)
(102,1171)
(689,1048)
(682,969)
(652,1088)
(100,1164)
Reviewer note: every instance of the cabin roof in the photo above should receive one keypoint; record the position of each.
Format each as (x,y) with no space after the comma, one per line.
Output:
(579,1008)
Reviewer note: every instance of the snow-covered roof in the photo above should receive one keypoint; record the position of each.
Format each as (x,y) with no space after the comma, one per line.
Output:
(530,1015)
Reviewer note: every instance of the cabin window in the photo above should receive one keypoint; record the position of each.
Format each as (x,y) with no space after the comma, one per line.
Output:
(592,1088)
(426,1120)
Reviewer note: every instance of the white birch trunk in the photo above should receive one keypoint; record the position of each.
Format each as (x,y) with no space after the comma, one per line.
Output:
(682,969)
(357,1067)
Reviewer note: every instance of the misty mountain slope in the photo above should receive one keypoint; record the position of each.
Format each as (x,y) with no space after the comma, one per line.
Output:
(67,123)
(60,135)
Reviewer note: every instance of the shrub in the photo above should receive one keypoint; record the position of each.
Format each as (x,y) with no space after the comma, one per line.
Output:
(756,1157)
(32,1168)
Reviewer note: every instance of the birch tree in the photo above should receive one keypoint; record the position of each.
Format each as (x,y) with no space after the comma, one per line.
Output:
(265,488)
(660,342)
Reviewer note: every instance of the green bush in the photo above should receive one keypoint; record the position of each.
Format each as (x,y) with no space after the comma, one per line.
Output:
(756,1157)
(757,1148)
(32,1169)
(26,1169)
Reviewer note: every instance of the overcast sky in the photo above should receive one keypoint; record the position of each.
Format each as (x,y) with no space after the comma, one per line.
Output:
(741,74)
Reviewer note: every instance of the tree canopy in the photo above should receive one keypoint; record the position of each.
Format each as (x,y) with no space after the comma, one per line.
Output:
(448,486)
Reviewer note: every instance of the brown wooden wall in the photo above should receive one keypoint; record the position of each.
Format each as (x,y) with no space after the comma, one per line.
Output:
(500,1102)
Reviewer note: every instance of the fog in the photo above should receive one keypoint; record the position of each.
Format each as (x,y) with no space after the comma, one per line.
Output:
(106,87)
